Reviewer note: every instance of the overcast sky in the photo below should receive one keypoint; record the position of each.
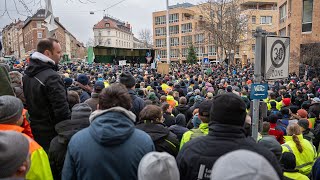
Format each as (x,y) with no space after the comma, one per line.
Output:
(76,18)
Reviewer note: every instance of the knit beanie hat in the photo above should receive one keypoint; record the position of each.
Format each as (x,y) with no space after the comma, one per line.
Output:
(14,150)
(272,144)
(304,123)
(244,165)
(127,79)
(302,113)
(10,109)
(81,111)
(229,109)
(286,101)
(68,81)
(288,161)
(158,166)
(83,79)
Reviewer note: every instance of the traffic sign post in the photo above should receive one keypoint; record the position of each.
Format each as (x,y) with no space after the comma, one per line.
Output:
(277,58)
(259,91)
(257,80)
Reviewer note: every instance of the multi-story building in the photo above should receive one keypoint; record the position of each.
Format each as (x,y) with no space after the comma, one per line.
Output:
(111,32)
(262,13)
(34,30)
(10,38)
(300,21)
(185,27)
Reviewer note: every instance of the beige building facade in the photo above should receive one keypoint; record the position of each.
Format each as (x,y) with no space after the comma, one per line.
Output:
(184,27)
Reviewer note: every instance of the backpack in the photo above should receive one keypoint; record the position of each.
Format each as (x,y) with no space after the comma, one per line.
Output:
(196,133)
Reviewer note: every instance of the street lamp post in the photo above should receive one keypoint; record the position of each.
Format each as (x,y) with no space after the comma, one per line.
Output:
(168,33)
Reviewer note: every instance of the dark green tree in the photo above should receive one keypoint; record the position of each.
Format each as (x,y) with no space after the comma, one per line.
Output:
(192,57)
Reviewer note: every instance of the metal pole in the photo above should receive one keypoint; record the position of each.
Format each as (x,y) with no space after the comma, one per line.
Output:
(168,34)
(257,79)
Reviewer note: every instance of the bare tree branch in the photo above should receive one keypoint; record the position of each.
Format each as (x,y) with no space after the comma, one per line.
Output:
(145,35)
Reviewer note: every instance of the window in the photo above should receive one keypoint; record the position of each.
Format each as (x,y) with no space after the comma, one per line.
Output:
(253,48)
(173,18)
(174,41)
(266,20)
(186,40)
(283,12)
(39,35)
(212,51)
(199,51)
(253,20)
(253,32)
(186,28)
(212,13)
(237,50)
(199,38)
(162,53)
(160,31)
(116,42)
(307,15)
(174,29)
(289,29)
(161,42)
(38,24)
(108,33)
(107,25)
(184,52)
(174,53)
(282,32)
(109,41)
(160,20)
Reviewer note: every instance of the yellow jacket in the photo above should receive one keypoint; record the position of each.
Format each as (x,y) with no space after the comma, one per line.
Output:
(40,166)
(201,131)
(278,104)
(295,176)
(304,160)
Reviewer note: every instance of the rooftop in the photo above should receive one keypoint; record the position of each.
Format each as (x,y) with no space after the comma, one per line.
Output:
(183,5)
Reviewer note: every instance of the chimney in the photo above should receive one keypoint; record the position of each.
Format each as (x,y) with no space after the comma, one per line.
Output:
(128,25)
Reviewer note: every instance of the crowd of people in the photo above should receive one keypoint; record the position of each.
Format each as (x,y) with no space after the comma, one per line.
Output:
(103,121)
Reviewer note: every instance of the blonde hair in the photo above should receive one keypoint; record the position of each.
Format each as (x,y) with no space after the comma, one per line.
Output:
(294,130)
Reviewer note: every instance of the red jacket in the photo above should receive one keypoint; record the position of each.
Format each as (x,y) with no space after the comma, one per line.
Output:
(25,125)
(277,133)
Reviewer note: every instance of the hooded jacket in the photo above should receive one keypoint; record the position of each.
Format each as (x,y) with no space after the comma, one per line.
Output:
(46,98)
(110,148)
(66,129)
(137,103)
(196,158)
(180,127)
(163,139)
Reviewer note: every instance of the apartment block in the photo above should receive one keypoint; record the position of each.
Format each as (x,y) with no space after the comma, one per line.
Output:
(11,39)
(299,20)
(185,27)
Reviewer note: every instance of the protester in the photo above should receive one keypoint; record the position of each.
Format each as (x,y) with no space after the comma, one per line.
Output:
(94,100)
(169,118)
(10,120)
(44,91)
(243,165)
(14,155)
(288,162)
(306,132)
(272,144)
(158,166)
(151,122)
(82,84)
(66,129)
(129,81)
(180,126)
(111,130)
(225,134)
(204,111)
(303,150)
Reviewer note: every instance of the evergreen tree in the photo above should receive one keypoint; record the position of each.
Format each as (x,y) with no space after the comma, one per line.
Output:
(192,57)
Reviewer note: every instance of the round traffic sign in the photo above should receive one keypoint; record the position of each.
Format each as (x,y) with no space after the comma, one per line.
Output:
(278,53)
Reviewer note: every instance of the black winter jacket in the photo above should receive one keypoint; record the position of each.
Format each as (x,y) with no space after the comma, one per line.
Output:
(137,103)
(163,139)
(168,119)
(197,157)
(46,99)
